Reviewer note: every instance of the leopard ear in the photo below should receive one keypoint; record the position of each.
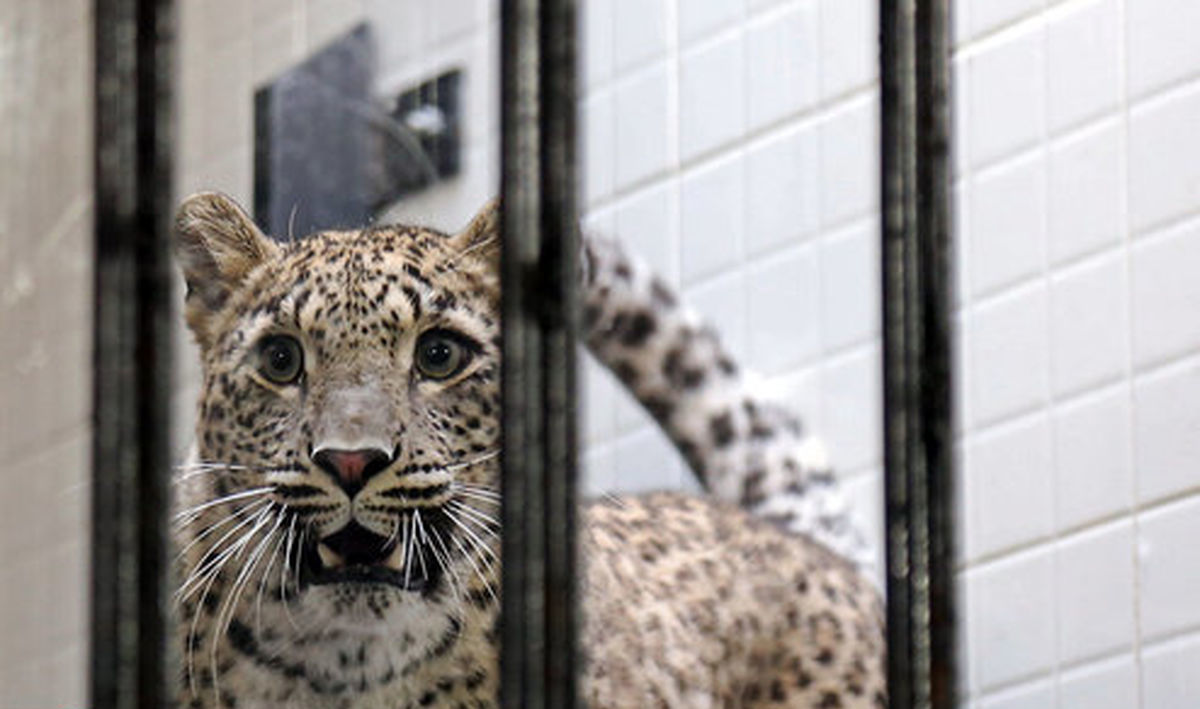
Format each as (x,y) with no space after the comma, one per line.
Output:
(217,245)
(480,240)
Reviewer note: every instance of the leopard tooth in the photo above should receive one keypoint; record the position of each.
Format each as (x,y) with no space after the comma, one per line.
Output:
(395,560)
(329,557)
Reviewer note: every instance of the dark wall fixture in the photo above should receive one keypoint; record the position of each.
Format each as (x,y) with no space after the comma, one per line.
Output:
(538,186)
(432,114)
(312,141)
(918,434)
(329,153)
(134,47)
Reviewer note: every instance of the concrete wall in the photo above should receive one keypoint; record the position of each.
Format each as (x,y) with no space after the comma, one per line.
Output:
(45,349)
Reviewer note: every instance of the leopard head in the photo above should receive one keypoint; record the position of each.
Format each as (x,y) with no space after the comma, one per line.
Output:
(344,487)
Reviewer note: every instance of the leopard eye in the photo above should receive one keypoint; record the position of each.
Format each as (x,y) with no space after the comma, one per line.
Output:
(441,354)
(280,359)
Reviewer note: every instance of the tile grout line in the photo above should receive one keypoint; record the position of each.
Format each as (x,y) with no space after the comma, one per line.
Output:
(1013,551)
(1131,369)
(1050,397)
(806,119)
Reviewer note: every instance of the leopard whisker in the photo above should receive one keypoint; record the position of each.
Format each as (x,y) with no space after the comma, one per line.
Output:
(210,568)
(420,556)
(441,539)
(262,582)
(485,490)
(473,461)
(187,471)
(474,539)
(472,507)
(207,579)
(473,536)
(191,637)
(219,523)
(210,464)
(395,531)
(479,541)
(451,263)
(443,558)
(475,492)
(234,474)
(484,520)
(194,511)
(229,606)
(299,551)
(409,534)
(215,557)
(488,556)
(283,573)
(487,584)
(476,496)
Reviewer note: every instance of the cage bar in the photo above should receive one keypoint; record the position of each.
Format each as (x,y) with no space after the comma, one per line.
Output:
(539,310)
(134,46)
(918,423)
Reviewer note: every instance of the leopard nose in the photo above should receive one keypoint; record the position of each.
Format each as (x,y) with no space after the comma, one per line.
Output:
(352,468)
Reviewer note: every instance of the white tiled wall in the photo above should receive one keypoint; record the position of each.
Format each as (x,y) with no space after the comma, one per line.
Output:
(1078,192)
(734,145)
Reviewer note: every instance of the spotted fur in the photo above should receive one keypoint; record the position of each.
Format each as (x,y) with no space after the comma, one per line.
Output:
(744,446)
(688,602)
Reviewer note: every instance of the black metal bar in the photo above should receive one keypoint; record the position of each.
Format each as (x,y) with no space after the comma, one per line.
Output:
(134,44)
(540,245)
(918,422)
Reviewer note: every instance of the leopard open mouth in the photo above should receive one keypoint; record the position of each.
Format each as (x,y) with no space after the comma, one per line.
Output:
(356,555)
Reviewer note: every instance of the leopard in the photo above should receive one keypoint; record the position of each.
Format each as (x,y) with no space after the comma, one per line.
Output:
(336,525)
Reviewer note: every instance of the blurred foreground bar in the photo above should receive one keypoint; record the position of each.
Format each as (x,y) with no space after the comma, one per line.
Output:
(918,433)
(134,45)
(538,188)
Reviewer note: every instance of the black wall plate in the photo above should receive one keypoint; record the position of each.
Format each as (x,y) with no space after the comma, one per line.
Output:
(432,115)
(328,154)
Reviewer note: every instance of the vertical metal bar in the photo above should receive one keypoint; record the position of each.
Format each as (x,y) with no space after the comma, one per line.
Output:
(918,434)
(934,128)
(134,43)
(538,267)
